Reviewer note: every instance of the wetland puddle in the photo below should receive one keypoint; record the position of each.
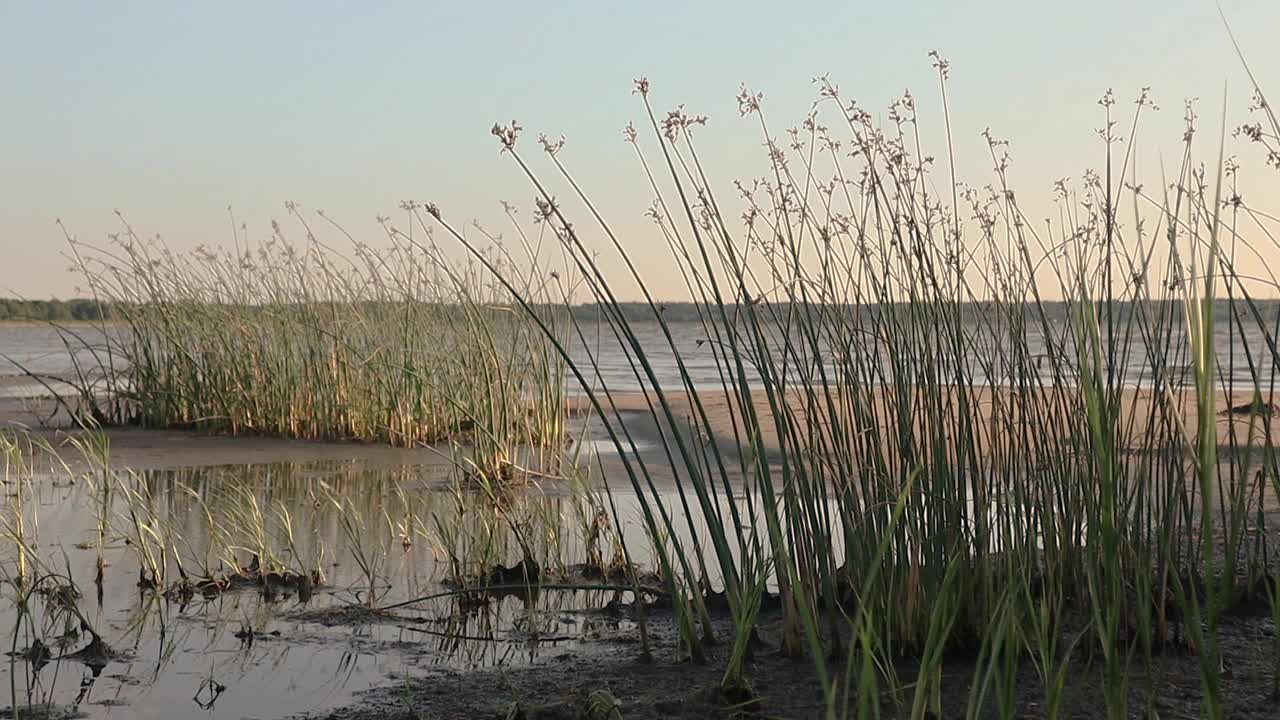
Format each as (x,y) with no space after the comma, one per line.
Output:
(275,648)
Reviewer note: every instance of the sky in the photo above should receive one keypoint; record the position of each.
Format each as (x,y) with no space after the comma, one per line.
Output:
(171,112)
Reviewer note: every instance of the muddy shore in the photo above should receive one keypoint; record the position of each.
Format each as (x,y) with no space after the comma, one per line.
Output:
(562,686)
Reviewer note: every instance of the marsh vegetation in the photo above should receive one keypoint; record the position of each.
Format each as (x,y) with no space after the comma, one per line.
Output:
(898,465)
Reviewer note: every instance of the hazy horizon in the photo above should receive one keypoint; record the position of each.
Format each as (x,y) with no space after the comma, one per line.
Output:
(172,114)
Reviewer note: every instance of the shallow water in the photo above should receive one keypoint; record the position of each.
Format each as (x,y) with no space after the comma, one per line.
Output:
(41,349)
(172,654)
(1237,343)
(46,351)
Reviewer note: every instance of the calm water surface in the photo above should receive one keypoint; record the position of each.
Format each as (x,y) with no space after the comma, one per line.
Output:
(303,657)
(43,351)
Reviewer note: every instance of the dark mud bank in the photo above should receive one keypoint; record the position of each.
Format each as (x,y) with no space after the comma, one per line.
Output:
(607,678)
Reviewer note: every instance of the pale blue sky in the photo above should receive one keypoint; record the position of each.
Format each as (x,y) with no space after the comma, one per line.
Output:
(171,111)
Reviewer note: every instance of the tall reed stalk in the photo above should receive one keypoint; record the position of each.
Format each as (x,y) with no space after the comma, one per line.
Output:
(896,397)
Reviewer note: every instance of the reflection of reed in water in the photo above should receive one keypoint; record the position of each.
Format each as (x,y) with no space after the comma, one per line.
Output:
(234,537)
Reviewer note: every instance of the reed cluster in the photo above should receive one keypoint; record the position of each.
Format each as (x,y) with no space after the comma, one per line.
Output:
(909,448)
(399,346)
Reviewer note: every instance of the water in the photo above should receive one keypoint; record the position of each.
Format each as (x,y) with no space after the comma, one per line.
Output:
(47,352)
(173,654)
(41,350)
(1233,342)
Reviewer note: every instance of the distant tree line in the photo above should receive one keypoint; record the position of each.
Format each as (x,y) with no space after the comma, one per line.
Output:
(82,309)
(52,310)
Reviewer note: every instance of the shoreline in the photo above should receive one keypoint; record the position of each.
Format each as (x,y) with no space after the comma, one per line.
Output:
(65,323)
(151,449)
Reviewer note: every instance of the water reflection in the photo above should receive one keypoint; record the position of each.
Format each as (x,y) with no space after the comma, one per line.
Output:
(373,537)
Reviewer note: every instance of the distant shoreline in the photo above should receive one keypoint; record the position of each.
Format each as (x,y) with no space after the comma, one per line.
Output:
(62,323)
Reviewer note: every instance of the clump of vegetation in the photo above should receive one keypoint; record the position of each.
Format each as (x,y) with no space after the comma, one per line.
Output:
(921,451)
(402,347)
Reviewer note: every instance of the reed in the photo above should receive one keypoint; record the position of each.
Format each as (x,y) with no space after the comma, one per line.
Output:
(903,403)
(400,346)
(45,596)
